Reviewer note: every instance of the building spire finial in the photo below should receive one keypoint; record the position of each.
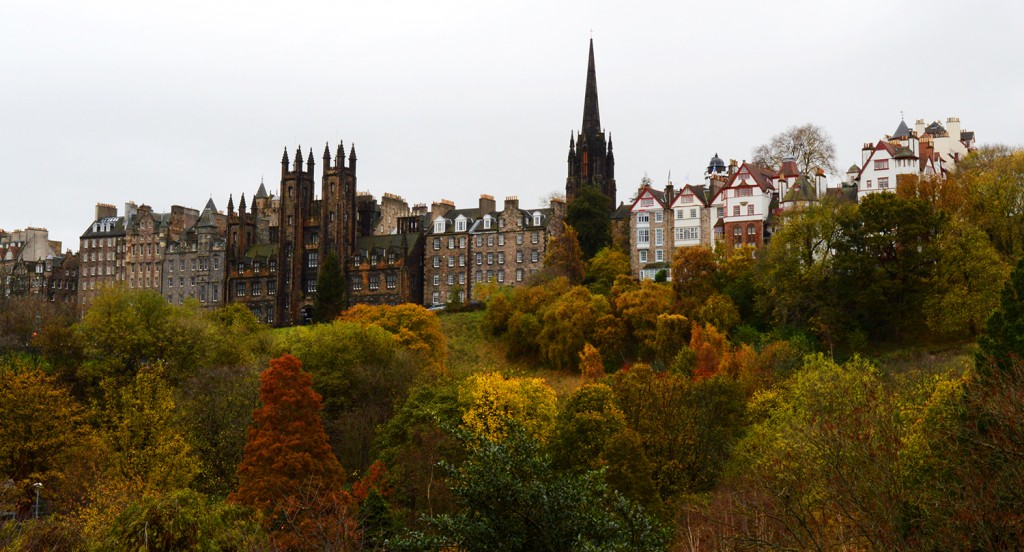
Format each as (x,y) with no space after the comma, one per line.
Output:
(591,113)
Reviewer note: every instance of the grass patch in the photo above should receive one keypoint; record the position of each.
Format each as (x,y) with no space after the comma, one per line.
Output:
(470,351)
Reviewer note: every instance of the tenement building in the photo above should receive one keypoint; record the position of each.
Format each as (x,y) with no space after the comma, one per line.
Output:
(193,266)
(469,247)
(101,253)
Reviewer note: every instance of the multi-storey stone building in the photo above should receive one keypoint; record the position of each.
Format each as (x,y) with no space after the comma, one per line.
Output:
(194,265)
(31,265)
(387,269)
(147,235)
(101,253)
(468,247)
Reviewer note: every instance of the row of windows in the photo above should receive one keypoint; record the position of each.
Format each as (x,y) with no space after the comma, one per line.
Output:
(214,296)
(659,216)
(373,282)
(202,263)
(883,183)
(94,242)
(490,239)
(659,255)
(737,211)
(256,288)
(488,223)
(357,261)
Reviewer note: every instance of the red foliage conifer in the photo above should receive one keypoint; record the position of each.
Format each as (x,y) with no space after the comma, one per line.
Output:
(288,470)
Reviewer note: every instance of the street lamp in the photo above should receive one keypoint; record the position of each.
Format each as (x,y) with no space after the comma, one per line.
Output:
(37,486)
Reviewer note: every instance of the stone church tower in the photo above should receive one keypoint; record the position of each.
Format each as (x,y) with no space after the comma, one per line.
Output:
(591,161)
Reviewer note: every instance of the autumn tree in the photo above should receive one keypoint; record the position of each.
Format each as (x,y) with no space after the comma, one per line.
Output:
(823,459)
(591,363)
(809,145)
(331,290)
(568,323)
(588,213)
(640,309)
(694,273)
(604,267)
(564,257)
(687,428)
(288,470)
(990,179)
(416,328)
(585,423)
(361,372)
(491,402)
(43,427)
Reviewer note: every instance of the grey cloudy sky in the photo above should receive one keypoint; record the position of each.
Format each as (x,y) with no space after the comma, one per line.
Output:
(174,102)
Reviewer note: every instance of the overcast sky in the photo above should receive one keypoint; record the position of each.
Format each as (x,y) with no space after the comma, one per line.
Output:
(176,102)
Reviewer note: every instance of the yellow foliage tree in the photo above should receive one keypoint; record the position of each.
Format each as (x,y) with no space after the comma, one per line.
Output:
(492,401)
(591,363)
(416,328)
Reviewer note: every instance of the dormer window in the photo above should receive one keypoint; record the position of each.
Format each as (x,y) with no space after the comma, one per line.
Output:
(439,226)
(460,225)
(647,202)
(487,222)
(536,219)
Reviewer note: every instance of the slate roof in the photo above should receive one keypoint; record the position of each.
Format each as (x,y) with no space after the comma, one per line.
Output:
(802,190)
(402,243)
(902,131)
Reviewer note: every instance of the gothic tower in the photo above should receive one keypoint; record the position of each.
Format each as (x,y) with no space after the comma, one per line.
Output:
(297,239)
(338,204)
(591,161)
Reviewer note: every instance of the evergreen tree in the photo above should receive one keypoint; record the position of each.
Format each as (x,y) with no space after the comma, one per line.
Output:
(330,290)
(589,214)
(1002,343)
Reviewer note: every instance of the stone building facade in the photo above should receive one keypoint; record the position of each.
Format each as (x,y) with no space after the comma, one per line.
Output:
(469,247)
(387,269)
(591,161)
(194,265)
(101,253)
(147,235)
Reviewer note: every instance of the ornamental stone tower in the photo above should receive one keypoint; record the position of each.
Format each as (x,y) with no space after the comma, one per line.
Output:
(591,161)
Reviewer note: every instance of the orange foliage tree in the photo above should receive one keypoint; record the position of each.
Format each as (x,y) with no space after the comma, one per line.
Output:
(416,328)
(288,471)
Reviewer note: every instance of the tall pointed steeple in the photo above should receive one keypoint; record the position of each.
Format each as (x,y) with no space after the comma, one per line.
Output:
(591,112)
(591,162)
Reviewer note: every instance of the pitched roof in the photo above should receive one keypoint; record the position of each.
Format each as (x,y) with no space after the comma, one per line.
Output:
(801,190)
(622,211)
(760,175)
(403,243)
(902,131)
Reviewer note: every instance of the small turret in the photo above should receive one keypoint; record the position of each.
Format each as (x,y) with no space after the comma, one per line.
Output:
(309,162)
(352,157)
(231,205)
(339,158)
(241,205)
(284,161)
(327,156)
(298,159)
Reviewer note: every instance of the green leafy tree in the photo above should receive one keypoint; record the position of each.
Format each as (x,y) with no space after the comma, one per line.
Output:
(585,423)
(184,520)
(604,267)
(1002,343)
(331,291)
(590,215)
(966,282)
(511,498)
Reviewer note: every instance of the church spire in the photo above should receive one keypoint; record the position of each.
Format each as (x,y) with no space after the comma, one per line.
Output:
(591,113)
